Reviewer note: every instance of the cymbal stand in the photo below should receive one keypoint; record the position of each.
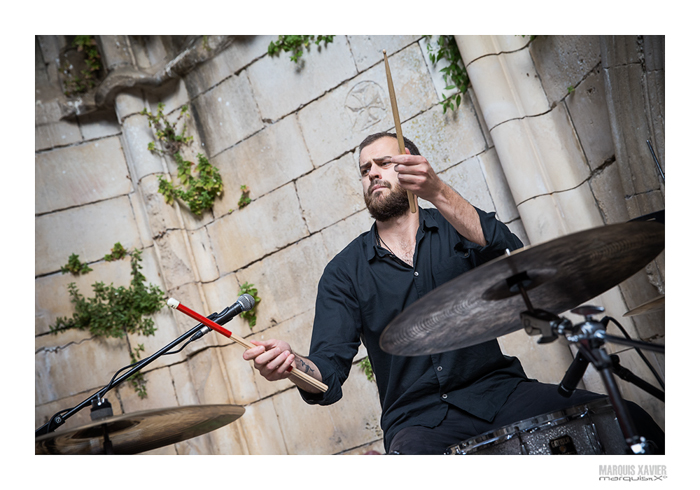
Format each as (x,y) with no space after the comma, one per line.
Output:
(590,336)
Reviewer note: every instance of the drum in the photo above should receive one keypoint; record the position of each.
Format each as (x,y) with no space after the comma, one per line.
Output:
(584,429)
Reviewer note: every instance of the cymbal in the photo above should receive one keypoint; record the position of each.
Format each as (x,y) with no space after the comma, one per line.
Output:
(652,305)
(481,304)
(137,432)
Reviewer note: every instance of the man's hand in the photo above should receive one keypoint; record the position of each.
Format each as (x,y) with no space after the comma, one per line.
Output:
(272,358)
(417,175)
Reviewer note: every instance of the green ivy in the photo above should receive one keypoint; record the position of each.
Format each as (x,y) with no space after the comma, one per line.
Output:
(296,45)
(250,315)
(75,266)
(198,190)
(245,197)
(87,78)
(454,74)
(118,252)
(366,367)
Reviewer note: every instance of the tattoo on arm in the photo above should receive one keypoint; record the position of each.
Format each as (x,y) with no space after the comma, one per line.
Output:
(302,366)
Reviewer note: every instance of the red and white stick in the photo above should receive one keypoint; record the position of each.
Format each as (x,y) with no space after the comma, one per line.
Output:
(294,372)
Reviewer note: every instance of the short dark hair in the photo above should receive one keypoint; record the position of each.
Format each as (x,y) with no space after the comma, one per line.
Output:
(374,137)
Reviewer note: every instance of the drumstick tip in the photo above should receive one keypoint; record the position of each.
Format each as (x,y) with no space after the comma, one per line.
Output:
(173,303)
(384,51)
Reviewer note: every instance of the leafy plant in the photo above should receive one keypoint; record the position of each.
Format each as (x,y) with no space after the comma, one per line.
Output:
(454,74)
(296,45)
(245,197)
(250,315)
(118,252)
(366,367)
(87,77)
(138,381)
(75,266)
(197,190)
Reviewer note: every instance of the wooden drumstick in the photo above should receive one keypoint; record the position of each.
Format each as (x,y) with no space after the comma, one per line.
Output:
(294,372)
(397,123)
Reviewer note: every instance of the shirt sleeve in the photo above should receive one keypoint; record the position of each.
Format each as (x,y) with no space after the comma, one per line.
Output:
(498,237)
(336,333)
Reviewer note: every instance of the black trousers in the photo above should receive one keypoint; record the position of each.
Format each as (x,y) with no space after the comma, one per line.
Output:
(529,399)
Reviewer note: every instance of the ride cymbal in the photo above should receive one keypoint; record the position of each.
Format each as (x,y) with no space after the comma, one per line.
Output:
(138,432)
(485,303)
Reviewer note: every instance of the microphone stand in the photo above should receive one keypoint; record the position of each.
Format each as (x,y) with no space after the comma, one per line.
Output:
(97,398)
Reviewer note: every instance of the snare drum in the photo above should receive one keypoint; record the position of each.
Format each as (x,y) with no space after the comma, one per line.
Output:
(584,429)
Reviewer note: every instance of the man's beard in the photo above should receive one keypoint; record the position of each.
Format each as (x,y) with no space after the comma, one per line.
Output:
(383,208)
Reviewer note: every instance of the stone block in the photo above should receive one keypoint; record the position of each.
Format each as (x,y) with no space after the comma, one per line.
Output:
(166,331)
(287,281)
(156,216)
(243,51)
(203,255)
(499,98)
(75,368)
(480,117)
(473,47)
(115,50)
(129,102)
(540,155)
(337,122)
(563,61)
(261,429)
(175,259)
(607,190)
(546,363)
(137,135)
(498,186)
(517,228)
(228,439)
(102,224)
(429,45)
(265,161)
(173,95)
(468,180)
(208,377)
(263,227)
(226,114)
(367,51)
(56,134)
(330,193)
(338,236)
(79,175)
(99,125)
(589,114)
(241,375)
(160,393)
(281,86)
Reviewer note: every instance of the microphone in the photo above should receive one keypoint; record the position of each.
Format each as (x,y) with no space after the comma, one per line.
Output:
(573,375)
(244,302)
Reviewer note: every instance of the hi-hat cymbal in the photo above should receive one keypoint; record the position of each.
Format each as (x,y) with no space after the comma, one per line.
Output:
(652,305)
(484,303)
(135,433)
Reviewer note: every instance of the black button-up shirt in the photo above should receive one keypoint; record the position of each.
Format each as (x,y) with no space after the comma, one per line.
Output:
(364,287)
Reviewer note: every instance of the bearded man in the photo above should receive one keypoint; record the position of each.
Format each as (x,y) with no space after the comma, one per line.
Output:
(428,402)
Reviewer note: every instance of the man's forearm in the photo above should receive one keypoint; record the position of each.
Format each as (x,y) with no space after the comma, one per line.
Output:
(460,214)
(307,367)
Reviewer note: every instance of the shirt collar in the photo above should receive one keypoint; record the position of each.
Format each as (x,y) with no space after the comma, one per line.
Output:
(370,242)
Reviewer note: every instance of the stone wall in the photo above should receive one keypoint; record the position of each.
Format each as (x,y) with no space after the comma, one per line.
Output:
(290,133)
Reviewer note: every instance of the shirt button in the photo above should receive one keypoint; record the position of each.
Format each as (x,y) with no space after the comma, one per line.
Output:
(415,273)
(444,396)
(439,368)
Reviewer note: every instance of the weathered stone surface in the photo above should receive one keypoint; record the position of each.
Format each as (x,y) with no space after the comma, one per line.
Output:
(589,115)
(501,100)
(137,135)
(468,180)
(58,375)
(203,255)
(288,279)
(208,378)
(173,95)
(261,429)
(262,227)
(128,102)
(563,61)
(99,125)
(115,50)
(540,155)
(281,86)
(367,50)
(607,190)
(79,175)
(340,120)
(159,389)
(330,193)
(241,374)
(263,162)
(546,363)
(445,139)
(242,51)
(473,47)
(223,293)
(56,134)
(175,259)
(161,216)
(339,235)
(227,114)
(89,231)
(498,186)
